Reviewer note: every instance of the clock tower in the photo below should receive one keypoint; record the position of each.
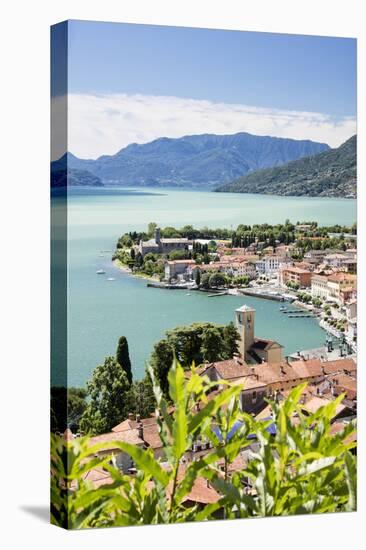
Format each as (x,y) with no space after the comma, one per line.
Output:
(244,321)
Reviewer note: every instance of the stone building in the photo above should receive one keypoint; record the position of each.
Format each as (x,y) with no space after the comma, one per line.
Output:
(160,245)
(251,348)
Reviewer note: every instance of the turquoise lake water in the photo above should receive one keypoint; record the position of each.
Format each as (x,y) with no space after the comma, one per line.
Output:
(100,311)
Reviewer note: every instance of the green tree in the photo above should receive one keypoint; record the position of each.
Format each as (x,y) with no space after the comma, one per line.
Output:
(217,279)
(67,407)
(139,260)
(107,392)
(197,277)
(151,229)
(161,361)
(140,398)
(179,254)
(196,343)
(230,339)
(205,281)
(123,357)
(211,344)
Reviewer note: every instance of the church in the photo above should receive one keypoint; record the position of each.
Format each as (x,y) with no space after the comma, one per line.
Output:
(160,245)
(251,348)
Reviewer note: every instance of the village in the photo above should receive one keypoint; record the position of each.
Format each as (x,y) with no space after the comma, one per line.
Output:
(263,374)
(321,281)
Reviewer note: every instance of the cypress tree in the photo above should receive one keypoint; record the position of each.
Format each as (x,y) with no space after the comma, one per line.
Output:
(123,357)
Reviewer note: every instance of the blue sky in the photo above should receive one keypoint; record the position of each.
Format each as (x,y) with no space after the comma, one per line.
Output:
(271,70)
(269,73)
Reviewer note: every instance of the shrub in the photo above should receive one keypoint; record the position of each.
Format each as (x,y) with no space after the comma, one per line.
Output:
(301,469)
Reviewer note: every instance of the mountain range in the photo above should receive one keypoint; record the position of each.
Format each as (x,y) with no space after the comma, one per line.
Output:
(62,175)
(205,161)
(332,173)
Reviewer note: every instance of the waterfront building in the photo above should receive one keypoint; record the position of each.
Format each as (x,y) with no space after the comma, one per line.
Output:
(319,286)
(233,267)
(296,275)
(160,245)
(174,269)
(339,287)
(351,309)
(270,265)
(342,287)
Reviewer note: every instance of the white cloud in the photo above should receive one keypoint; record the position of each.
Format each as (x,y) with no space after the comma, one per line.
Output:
(103,124)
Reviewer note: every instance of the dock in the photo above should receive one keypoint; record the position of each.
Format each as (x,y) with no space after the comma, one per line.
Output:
(301,315)
(264,295)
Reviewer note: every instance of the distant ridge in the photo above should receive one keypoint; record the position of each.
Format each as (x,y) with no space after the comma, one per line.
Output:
(205,160)
(332,173)
(64,176)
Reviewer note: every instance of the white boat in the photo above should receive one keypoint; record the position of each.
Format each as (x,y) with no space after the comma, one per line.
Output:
(100,272)
(111,279)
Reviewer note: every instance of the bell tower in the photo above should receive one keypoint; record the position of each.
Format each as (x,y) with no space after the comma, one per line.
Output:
(244,322)
(157,235)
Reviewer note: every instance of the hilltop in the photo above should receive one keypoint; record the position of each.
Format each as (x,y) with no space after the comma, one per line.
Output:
(62,175)
(332,173)
(205,160)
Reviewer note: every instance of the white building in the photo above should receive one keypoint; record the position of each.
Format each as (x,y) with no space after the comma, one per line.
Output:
(336,260)
(270,265)
(319,286)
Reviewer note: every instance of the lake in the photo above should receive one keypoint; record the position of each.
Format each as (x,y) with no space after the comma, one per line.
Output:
(100,311)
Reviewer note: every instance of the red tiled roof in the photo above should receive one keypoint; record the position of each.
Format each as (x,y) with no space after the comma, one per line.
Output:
(231,369)
(130,424)
(338,365)
(338,427)
(264,344)
(342,277)
(128,436)
(307,369)
(313,404)
(152,437)
(186,262)
(344,381)
(98,477)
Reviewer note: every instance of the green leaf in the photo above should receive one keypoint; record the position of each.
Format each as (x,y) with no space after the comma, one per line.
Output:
(145,461)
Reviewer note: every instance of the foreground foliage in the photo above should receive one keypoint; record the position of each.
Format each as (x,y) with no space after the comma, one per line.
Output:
(301,469)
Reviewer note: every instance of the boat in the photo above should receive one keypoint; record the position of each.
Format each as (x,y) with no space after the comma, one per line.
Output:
(188,294)
(100,272)
(111,279)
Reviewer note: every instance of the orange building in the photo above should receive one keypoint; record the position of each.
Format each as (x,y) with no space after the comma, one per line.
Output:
(296,275)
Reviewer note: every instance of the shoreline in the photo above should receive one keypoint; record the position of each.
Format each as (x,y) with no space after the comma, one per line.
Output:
(231,292)
(122,267)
